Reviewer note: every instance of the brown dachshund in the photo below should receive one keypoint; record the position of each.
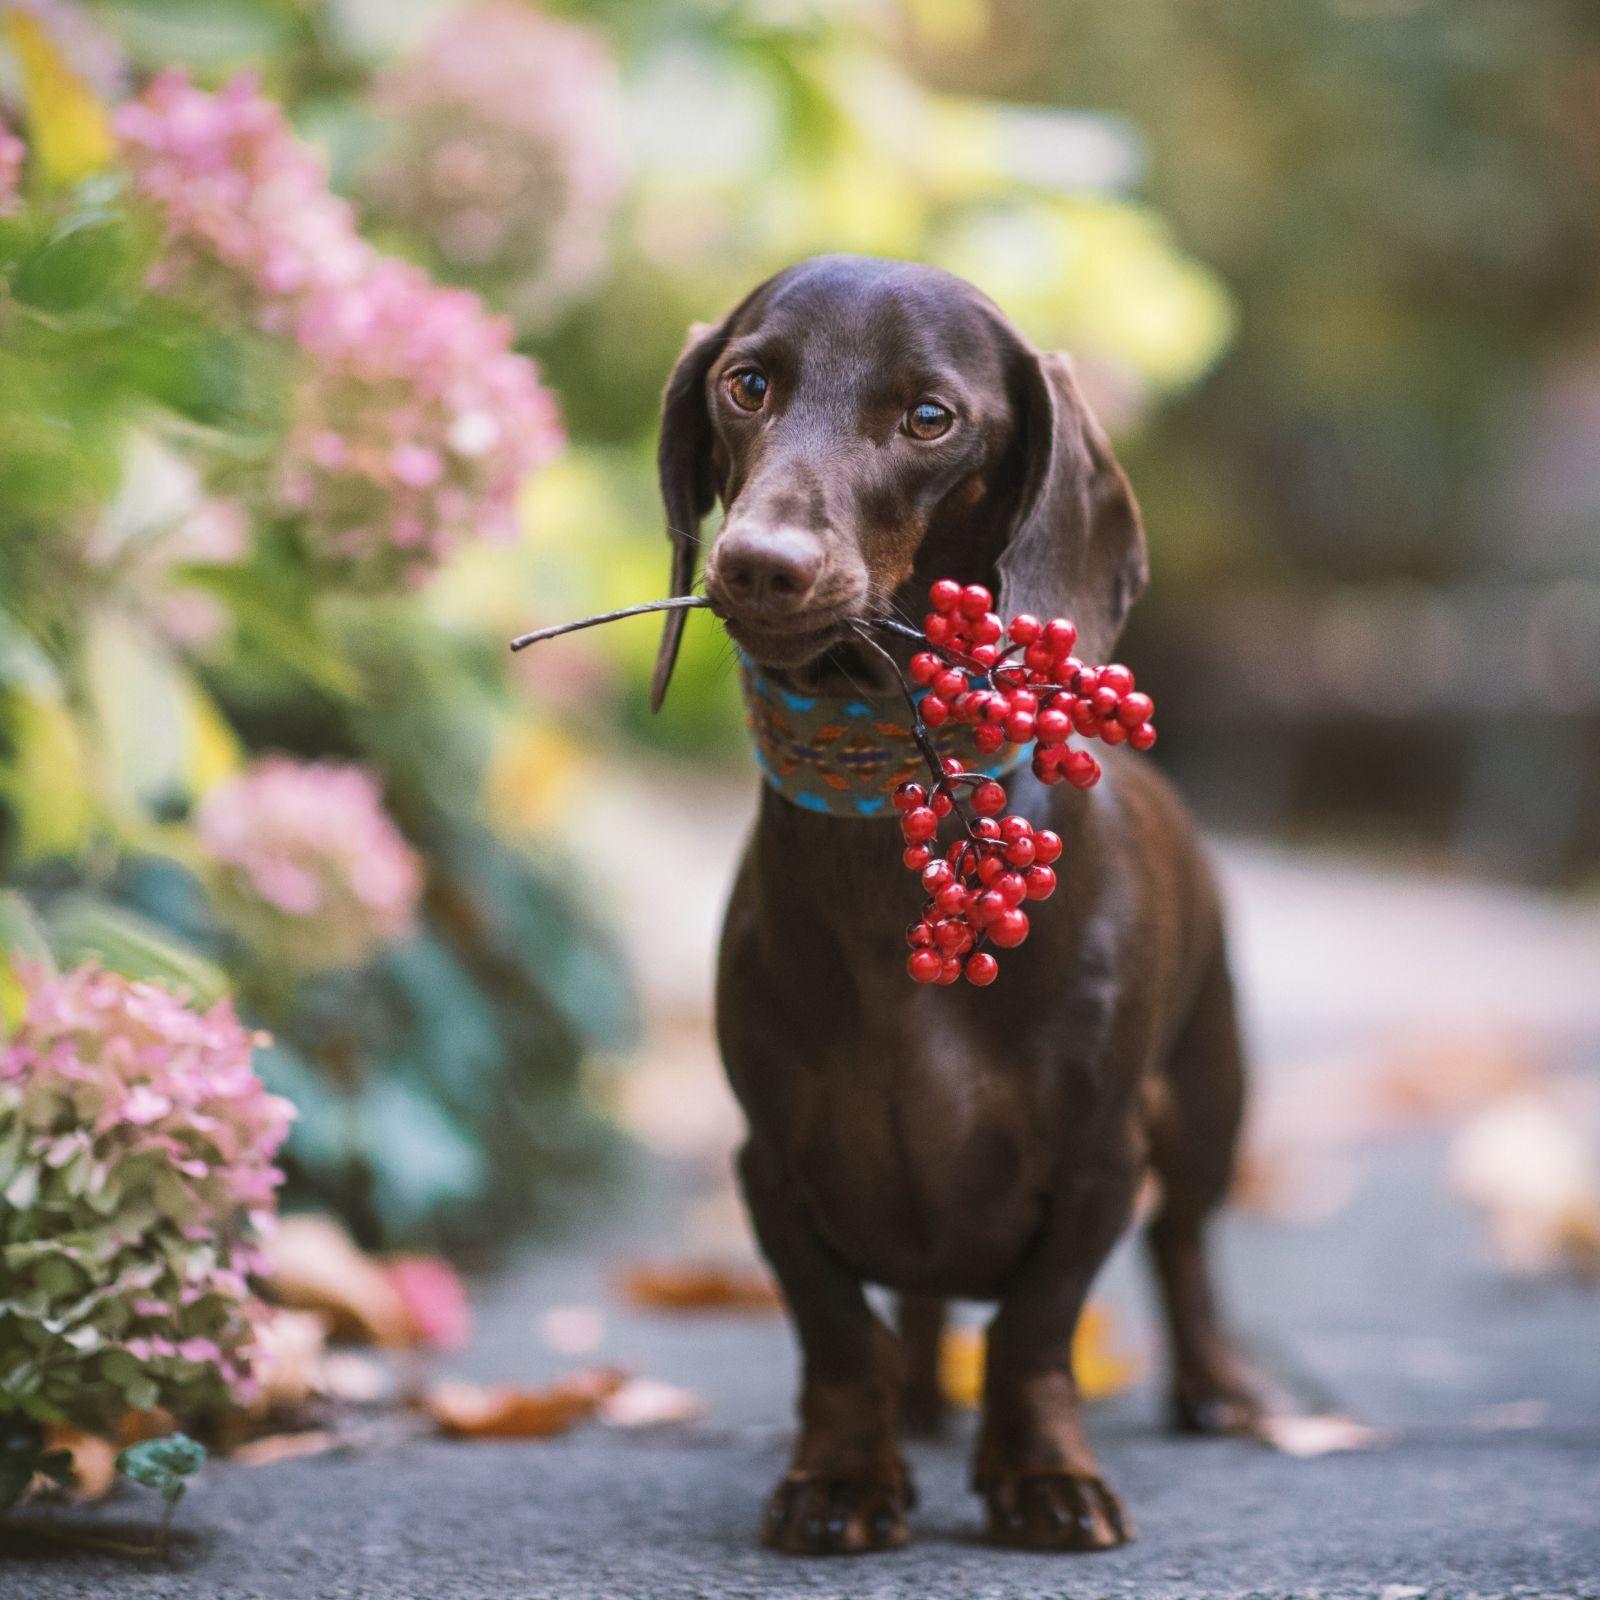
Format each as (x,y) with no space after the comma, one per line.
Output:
(870,426)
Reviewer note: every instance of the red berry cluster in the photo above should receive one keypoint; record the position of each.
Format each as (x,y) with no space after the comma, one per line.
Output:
(1015,683)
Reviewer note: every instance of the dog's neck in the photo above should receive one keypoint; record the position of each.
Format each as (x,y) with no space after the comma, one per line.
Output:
(842,753)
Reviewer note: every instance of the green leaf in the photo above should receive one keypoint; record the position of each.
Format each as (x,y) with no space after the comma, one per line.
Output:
(162,1464)
(83,928)
(76,266)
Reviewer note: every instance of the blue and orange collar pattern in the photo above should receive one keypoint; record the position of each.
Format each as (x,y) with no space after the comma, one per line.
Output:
(845,755)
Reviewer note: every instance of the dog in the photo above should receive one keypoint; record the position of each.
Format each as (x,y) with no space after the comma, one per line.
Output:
(869,426)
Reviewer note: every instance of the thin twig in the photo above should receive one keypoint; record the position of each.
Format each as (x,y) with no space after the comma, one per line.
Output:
(682,602)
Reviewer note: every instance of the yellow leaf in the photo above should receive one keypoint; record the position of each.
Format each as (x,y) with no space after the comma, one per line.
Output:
(71,133)
(213,750)
(1101,1369)
(45,777)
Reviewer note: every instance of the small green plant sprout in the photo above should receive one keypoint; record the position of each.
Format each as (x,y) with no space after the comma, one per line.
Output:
(163,1465)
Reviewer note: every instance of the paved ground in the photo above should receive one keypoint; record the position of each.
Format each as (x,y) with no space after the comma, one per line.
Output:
(1389,1306)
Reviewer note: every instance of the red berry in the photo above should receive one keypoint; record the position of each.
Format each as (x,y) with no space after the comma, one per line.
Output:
(1142,737)
(950,934)
(1117,678)
(1025,628)
(986,828)
(1046,846)
(916,856)
(1020,852)
(940,803)
(1104,701)
(1023,700)
(919,824)
(1113,732)
(949,683)
(1019,727)
(908,796)
(984,655)
(953,765)
(1052,726)
(1044,767)
(1084,718)
(990,869)
(924,667)
(982,969)
(919,935)
(944,595)
(1084,682)
(988,799)
(1037,657)
(1040,882)
(1135,708)
(1013,828)
(988,738)
(987,629)
(996,709)
(935,629)
(925,965)
(1060,635)
(1083,771)
(987,907)
(935,712)
(936,875)
(975,600)
(1011,888)
(953,900)
(1007,930)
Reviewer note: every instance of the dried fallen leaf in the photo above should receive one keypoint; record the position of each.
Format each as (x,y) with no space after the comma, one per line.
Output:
(314,1265)
(699,1286)
(647,1403)
(1535,1176)
(1319,1435)
(277,1447)
(507,1411)
(287,1358)
(1101,1369)
(94,1460)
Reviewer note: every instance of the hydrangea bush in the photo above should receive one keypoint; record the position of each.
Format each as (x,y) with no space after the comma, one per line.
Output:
(137,1151)
(413,421)
(505,151)
(310,868)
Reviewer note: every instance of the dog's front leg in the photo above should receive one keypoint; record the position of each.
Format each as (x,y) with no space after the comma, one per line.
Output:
(847,1488)
(1034,1465)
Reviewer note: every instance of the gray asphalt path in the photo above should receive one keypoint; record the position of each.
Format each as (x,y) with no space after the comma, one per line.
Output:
(1390,1308)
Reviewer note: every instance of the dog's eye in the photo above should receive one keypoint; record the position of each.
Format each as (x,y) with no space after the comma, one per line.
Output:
(927,420)
(748,390)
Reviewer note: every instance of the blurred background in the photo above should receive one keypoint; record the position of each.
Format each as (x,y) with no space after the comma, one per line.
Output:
(320,382)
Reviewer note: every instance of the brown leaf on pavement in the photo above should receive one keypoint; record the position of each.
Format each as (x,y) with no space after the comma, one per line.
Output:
(507,1411)
(314,1265)
(94,1460)
(648,1403)
(698,1286)
(275,1447)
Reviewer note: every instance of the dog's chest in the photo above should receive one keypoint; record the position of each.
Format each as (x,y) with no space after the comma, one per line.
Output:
(923,1157)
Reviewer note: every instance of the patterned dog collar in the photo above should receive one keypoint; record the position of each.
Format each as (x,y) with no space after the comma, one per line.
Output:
(846,754)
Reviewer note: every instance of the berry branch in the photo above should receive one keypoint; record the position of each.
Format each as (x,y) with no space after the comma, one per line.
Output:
(1015,683)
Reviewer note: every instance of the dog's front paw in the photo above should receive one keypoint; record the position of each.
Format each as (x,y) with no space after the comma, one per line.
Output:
(1056,1511)
(813,1514)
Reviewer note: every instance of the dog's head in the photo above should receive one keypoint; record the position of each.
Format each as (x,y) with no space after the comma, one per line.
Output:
(868,426)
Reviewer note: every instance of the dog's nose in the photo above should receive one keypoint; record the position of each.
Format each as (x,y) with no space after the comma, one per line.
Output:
(768,572)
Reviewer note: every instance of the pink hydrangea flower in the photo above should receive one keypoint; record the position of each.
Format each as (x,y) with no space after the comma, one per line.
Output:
(413,421)
(310,868)
(249,223)
(505,150)
(416,422)
(137,1151)
(12,154)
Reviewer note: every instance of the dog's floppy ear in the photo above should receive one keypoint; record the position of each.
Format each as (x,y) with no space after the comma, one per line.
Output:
(688,488)
(1076,547)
